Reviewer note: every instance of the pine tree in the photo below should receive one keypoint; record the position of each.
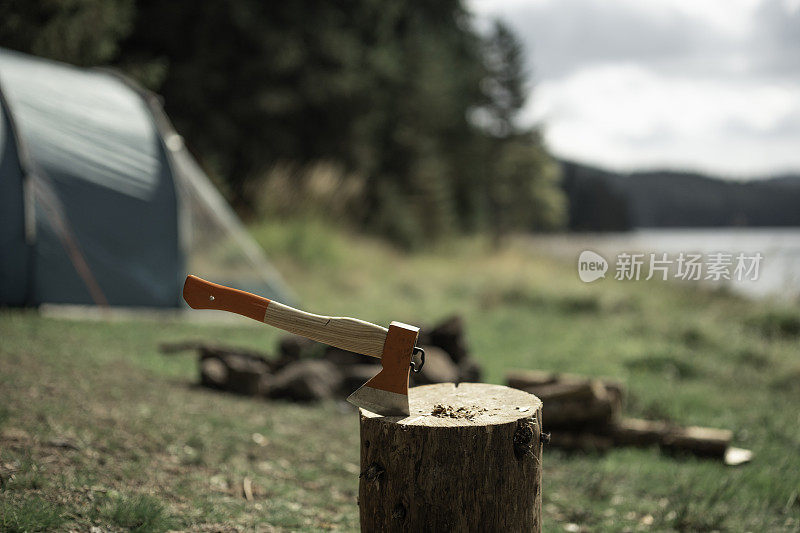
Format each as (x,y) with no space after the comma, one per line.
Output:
(522,182)
(505,85)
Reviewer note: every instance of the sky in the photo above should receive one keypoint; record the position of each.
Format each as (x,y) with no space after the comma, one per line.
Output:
(704,85)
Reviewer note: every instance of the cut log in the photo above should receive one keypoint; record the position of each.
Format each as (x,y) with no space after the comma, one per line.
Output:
(438,368)
(737,456)
(707,442)
(294,347)
(206,350)
(577,405)
(353,376)
(584,414)
(304,381)
(213,373)
(565,391)
(615,388)
(238,370)
(244,374)
(469,370)
(528,379)
(597,412)
(571,401)
(522,379)
(342,358)
(580,441)
(234,373)
(449,336)
(637,432)
(468,458)
(229,354)
(616,395)
(701,441)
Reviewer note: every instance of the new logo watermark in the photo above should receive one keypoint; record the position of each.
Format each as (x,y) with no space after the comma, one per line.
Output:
(591,266)
(716,266)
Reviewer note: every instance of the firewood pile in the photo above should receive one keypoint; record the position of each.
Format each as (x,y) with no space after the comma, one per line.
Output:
(580,413)
(583,413)
(305,370)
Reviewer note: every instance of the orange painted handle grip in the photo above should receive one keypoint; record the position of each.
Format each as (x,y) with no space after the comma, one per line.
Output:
(202,294)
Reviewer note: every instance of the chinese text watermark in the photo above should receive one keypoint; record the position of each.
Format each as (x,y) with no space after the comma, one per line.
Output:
(716,266)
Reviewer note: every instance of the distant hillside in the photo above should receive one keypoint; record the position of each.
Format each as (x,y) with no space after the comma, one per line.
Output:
(600,200)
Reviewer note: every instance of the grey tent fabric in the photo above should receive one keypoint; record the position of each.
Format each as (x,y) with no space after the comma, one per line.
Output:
(91,210)
(105,203)
(14,250)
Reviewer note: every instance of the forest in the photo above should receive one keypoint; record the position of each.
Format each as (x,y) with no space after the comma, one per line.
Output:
(604,200)
(395,119)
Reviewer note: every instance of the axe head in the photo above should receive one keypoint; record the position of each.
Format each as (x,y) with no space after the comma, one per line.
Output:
(387,393)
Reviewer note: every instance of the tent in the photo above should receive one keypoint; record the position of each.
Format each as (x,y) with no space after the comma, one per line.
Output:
(100,201)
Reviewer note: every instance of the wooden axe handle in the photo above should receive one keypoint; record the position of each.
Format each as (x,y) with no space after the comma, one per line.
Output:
(342,332)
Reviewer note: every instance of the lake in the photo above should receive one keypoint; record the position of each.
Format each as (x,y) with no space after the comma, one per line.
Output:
(779,269)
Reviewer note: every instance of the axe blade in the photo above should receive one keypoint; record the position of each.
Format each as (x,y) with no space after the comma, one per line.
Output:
(386,394)
(381,402)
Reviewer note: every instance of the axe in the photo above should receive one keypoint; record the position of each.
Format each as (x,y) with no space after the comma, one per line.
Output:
(385,394)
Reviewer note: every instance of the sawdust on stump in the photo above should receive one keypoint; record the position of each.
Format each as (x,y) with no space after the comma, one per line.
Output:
(448,411)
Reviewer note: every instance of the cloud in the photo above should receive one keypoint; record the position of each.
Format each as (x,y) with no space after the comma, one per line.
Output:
(711,85)
(776,38)
(627,116)
(563,35)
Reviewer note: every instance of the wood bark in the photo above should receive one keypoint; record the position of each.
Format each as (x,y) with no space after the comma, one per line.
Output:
(244,377)
(638,432)
(533,379)
(468,458)
(585,414)
(709,442)
(599,410)
(580,441)
(563,391)
(697,440)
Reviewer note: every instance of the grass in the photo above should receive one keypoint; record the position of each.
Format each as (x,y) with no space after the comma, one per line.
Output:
(147,449)
(141,512)
(26,514)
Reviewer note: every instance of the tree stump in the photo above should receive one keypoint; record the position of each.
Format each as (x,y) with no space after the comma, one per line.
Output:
(469,457)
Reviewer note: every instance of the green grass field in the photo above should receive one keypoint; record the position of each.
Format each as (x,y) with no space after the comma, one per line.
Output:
(98,428)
